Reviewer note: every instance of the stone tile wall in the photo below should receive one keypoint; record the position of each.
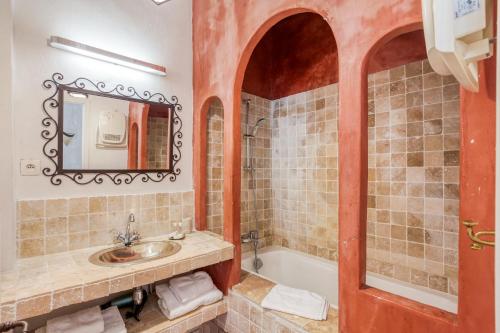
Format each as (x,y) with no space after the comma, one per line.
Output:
(58,225)
(158,142)
(413,198)
(413,201)
(259,108)
(215,164)
(245,316)
(305,172)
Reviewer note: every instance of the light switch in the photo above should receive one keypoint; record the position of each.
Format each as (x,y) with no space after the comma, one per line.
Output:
(30,167)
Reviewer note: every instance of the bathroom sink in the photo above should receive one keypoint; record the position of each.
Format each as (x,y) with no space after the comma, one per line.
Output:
(136,253)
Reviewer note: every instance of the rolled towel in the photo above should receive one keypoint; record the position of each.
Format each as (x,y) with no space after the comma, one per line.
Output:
(298,302)
(113,321)
(172,308)
(85,321)
(189,287)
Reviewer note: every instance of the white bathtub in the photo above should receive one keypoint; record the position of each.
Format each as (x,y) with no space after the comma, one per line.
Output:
(300,270)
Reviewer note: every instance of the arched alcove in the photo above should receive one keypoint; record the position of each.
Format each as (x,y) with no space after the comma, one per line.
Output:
(288,120)
(214,168)
(413,171)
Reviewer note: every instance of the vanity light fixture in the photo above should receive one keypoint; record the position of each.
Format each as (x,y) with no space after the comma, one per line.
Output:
(103,55)
(77,95)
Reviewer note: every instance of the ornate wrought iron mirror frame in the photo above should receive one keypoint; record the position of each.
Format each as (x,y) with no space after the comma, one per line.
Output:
(52,134)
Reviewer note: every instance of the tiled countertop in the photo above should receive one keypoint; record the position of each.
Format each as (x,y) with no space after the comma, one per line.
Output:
(39,285)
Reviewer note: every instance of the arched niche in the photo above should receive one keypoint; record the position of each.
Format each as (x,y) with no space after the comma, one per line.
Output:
(215,166)
(413,168)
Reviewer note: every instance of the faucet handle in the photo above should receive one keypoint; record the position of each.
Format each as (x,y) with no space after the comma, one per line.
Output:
(118,236)
(246,238)
(135,236)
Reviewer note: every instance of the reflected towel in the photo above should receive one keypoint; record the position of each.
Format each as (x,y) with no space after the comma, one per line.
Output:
(113,321)
(84,321)
(297,302)
(172,308)
(189,287)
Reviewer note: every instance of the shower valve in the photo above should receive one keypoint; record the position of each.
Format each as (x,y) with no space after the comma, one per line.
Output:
(252,235)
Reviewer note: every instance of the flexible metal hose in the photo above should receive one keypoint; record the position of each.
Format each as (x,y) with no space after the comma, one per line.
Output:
(10,325)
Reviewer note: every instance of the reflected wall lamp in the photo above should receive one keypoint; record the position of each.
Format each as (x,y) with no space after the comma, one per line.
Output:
(103,55)
(159,2)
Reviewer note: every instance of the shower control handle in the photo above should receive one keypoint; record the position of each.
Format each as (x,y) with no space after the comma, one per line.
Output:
(252,236)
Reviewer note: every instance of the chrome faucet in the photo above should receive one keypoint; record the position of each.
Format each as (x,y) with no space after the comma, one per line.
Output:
(252,236)
(129,237)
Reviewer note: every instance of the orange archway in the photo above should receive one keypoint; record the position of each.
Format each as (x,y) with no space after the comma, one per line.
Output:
(225,34)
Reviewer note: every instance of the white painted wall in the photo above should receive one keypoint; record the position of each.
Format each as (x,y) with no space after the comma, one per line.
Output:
(7,220)
(136,28)
(103,158)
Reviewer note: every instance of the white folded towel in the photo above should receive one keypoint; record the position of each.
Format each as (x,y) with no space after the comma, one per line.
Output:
(189,287)
(85,321)
(297,302)
(113,321)
(172,308)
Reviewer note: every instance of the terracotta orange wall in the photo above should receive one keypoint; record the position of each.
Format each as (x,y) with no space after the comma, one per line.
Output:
(300,54)
(225,34)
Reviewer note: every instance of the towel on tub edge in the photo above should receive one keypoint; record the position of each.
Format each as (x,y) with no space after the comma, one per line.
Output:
(298,302)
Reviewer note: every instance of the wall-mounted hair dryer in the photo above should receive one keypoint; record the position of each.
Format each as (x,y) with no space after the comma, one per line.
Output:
(458,34)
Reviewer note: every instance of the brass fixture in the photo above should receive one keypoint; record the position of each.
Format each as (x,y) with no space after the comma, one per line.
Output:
(477,242)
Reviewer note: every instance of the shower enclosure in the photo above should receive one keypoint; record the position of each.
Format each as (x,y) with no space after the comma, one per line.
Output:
(249,139)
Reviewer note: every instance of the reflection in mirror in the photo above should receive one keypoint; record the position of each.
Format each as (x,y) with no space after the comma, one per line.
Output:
(105,132)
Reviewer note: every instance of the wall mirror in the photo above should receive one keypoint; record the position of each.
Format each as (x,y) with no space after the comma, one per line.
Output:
(94,132)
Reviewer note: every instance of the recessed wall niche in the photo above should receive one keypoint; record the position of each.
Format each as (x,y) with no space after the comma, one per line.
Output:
(215,167)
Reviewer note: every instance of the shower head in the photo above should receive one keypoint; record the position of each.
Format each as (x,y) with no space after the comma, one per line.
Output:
(257,125)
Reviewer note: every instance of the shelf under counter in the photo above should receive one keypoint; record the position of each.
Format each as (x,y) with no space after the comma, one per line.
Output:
(153,321)
(38,285)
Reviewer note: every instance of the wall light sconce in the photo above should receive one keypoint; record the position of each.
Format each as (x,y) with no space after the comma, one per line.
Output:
(159,2)
(103,55)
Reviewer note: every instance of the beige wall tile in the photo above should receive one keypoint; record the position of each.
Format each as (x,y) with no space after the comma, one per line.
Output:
(98,204)
(77,223)
(34,209)
(78,206)
(56,208)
